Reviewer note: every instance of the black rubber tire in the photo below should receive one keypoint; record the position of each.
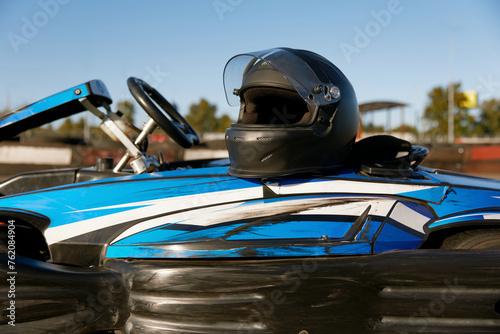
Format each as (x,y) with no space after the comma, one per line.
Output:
(487,239)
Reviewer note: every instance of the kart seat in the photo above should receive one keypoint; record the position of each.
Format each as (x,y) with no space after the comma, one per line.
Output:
(385,155)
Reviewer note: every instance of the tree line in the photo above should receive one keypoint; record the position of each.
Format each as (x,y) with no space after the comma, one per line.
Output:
(202,116)
(485,121)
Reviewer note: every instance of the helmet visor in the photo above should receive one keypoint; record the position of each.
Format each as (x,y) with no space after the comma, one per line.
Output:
(300,75)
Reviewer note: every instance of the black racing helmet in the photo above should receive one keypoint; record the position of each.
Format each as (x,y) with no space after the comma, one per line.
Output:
(298,113)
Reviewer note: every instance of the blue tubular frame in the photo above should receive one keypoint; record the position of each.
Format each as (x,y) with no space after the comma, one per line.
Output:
(57,106)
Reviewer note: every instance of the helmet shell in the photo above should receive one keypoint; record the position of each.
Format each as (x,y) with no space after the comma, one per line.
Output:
(289,123)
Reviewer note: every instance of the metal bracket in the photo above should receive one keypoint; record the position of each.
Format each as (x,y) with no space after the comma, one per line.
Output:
(110,124)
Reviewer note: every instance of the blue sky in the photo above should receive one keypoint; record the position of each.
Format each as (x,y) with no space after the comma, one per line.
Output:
(390,50)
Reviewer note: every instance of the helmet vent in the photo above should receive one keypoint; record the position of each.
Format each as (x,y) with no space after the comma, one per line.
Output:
(264,138)
(266,158)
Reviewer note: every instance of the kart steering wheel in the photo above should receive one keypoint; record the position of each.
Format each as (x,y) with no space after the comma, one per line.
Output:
(177,128)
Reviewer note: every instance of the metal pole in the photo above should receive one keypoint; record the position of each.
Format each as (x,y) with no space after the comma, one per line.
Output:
(451,107)
(86,129)
(388,120)
(451,99)
(402,128)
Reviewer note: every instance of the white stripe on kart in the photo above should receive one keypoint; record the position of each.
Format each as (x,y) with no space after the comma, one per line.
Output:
(237,211)
(409,217)
(148,208)
(346,187)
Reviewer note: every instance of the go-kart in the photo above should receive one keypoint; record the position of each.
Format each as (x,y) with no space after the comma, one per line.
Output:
(382,245)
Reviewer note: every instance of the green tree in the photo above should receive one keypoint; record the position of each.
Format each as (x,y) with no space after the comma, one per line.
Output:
(370,127)
(80,125)
(406,128)
(203,119)
(128,110)
(489,118)
(67,125)
(436,112)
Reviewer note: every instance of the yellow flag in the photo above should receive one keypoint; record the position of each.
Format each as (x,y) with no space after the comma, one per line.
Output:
(470,100)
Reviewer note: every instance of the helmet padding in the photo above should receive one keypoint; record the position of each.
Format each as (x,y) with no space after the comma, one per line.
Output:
(275,106)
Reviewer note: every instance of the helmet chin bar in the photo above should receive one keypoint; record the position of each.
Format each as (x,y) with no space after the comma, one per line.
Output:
(116,127)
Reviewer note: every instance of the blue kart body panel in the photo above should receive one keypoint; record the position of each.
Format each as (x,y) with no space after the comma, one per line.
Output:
(205,213)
